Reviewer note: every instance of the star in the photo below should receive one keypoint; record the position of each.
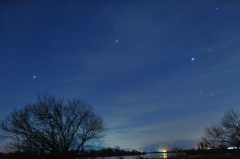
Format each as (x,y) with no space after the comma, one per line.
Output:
(192,58)
(34,77)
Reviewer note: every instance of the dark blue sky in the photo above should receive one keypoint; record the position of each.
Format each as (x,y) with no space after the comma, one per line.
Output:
(154,70)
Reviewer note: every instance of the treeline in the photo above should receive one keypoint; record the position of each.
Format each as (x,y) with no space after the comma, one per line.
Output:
(111,152)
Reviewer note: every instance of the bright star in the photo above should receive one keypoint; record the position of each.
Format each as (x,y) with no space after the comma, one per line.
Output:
(192,58)
(34,76)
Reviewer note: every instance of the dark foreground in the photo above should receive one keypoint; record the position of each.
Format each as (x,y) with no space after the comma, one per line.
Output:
(208,154)
(188,154)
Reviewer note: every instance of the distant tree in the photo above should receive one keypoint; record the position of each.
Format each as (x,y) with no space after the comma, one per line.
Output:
(53,126)
(226,133)
(117,148)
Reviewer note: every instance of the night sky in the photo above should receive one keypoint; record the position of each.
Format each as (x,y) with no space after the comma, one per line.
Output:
(155,70)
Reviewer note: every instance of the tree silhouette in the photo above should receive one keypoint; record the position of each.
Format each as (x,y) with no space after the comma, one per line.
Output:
(226,133)
(53,126)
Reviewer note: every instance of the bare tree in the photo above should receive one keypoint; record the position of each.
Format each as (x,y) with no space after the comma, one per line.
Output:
(208,143)
(53,126)
(226,133)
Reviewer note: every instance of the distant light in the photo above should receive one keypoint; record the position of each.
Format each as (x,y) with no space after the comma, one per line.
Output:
(231,148)
(34,76)
(116,41)
(163,150)
(192,58)
(216,8)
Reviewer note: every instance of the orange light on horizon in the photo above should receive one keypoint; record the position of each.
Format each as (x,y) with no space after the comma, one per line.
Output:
(164,150)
